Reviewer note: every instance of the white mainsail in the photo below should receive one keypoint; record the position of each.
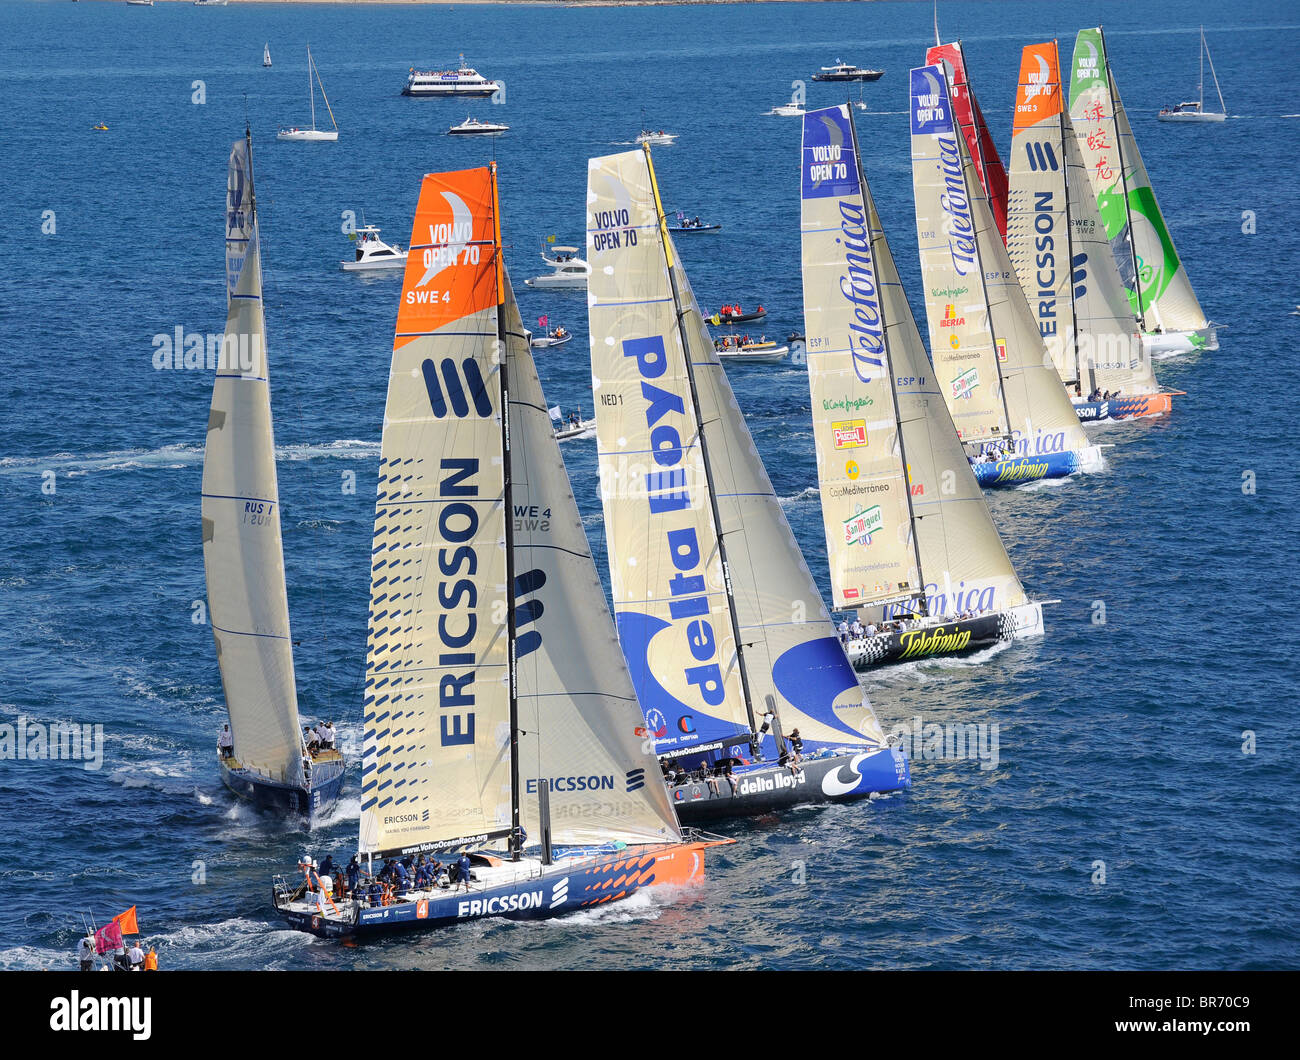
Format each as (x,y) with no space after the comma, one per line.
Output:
(960,558)
(678,467)
(977,311)
(243,557)
(460,622)
(1160,293)
(1058,247)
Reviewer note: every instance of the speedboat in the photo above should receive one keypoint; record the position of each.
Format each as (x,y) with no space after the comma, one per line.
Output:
(474,127)
(463,81)
(568,271)
(686,224)
(557,336)
(843,71)
(374,253)
(764,352)
(724,317)
(101,127)
(793,109)
(568,429)
(659,138)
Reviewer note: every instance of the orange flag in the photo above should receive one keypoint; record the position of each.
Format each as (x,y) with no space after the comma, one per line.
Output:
(126,921)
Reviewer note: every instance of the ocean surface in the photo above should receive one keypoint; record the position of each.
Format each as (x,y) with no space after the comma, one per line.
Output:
(1142,812)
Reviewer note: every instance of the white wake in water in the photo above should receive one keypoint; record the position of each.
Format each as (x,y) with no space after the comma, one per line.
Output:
(170,457)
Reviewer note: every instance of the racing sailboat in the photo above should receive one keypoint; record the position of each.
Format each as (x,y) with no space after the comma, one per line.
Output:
(1005,396)
(243,557)
(718,615)
(990,171)
(497,704)
(909,538)
(1061,254)
(1159,292)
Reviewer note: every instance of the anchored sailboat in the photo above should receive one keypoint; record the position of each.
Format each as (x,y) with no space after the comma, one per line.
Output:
(497,704)
(718,615)
(1159,291)
(1194,110)
(1061,254)
(909,538)
(313,134)
(243,557)
(1005,396)
(983,150)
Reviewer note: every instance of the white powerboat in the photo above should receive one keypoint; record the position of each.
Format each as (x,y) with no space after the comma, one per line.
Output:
(659,138)
(793,109)
(765,352)
(373,253)
(474,127)
(568,271)
(463,81)
(313,134)
(556,336)
(574,427)
(1194,110)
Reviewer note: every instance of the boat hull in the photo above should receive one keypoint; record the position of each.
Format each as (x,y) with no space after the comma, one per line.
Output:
(1191,116)
(743,318)
(307,135)
(288,800)
(1169,343)
(388,265)
(959,637)
(696,228)
(841,777)
(548,283)
(1020,469)
(773,356)
(865,75)
(560,889)
(1124,407)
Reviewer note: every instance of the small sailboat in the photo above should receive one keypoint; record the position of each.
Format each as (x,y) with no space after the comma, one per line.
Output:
(373,253)
(989,170)
(500,719)
(1006,399)
(909,540)
(1194,111)
(762,711)
(267,760)
(1159,291)
(266,54)
(568,271)
(313,135)
(1057,244)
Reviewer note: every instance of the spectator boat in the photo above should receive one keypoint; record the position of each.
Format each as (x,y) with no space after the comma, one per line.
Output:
(313,135)
(443,84)
(372,253)
(568,271)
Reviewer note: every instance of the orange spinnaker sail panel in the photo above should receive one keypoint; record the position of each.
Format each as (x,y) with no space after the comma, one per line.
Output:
(1039,94)
(451,268)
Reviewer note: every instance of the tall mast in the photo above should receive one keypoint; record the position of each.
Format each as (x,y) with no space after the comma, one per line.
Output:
(704,448)
(1123,178)
(1202,84)
(1069,227)
(311,90)
(893,382)
(507,499)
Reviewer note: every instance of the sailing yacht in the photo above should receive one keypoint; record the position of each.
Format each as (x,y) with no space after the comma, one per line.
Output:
(1194,110)
(500,719)
(1057,244)
(266,54)
(989,170)
(243,557)
(1004,394)
(909,538)
(730,647)
(313,134)
(1159,292)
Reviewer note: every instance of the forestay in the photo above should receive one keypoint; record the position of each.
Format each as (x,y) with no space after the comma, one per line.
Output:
(242,552)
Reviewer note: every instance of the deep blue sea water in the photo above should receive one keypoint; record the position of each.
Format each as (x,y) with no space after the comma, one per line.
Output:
(1120,743)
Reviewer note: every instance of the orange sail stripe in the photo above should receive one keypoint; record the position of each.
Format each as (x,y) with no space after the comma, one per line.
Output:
(451,270)
(1039,95)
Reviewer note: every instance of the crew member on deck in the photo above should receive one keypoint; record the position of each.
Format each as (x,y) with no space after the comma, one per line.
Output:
(225,742)
(136,956)
(462,871)
(86,952)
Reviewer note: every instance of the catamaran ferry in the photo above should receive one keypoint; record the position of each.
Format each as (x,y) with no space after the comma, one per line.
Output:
(463,81)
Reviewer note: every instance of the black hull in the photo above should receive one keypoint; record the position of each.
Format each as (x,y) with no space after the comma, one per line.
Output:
(870,75)
(838,778)
(950,638)
(744,318)
(288,800)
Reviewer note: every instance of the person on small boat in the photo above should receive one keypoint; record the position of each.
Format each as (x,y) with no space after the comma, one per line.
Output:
(225,742)
(136,956)
(151,960)
(86,952)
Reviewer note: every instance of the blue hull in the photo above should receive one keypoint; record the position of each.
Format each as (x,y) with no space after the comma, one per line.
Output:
(1026,469)
(765,789)
(288,800)
(558,890)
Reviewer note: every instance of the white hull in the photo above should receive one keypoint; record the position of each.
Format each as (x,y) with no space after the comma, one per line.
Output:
(385,265)
(561,283)
(1174,342)
(565,433)
(1090,459)
(307,135)
(546,342)
(775,356)
(787,111)
(1192,116)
